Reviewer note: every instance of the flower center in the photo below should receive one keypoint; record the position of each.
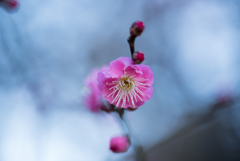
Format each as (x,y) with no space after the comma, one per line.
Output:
(126,83)
(126,89)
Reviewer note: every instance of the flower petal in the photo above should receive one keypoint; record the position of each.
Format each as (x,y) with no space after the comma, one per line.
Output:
(102,78)
(116,68)
(126,60)
(148,93)
(134,70)
(147,73)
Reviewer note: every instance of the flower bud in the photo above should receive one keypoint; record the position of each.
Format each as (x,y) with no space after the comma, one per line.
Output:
(138,57)
(137,28)
(119,144)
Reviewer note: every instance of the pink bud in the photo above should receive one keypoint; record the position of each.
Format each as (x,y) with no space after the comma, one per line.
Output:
(138,57)
(119,144)
(137,28)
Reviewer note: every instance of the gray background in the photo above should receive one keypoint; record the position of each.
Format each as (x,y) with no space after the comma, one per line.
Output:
(48,47)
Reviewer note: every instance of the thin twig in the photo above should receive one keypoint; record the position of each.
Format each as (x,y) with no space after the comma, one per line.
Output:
(131,41)
(140,154)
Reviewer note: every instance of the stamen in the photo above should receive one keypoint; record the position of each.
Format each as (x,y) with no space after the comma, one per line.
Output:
(113,87)
(113,93)
(127,89)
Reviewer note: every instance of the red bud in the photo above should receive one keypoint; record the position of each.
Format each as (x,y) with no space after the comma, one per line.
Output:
(137,28)
(138,57)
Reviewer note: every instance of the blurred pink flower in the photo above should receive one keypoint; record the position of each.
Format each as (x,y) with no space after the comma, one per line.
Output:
(225,94)
(119,144)
(92,99)
(126,84)
(10,4)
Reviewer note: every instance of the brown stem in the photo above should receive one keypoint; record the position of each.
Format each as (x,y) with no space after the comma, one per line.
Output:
(120,111)
(131,41)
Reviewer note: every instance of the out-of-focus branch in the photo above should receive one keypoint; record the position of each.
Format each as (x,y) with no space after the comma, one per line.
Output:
(140,154)
(135,30)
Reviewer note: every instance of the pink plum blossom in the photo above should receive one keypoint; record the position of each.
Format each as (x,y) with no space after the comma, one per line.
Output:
(125,84)
(119,144)
(92,98)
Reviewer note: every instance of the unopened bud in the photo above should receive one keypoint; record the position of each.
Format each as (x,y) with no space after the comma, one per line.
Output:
(138,57)
(137,28)
(119,144)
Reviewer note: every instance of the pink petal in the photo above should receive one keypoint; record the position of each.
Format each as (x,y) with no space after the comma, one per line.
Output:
(139,103)
(126,60)
(93,100)
(116,68)
(103,75)
(147,73)
(134,70)
(148,93)
(106,90)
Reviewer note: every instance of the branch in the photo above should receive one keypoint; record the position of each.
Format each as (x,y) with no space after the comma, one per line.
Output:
(131,41)
(140,154)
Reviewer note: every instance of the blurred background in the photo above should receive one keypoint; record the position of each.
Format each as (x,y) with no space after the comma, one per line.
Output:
(48,47)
